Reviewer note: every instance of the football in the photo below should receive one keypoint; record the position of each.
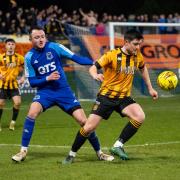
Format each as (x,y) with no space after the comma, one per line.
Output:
(167,80)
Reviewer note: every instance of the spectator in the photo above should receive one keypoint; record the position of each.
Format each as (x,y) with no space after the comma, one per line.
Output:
(3,28)
(27,18)
(90,18)
(177,20)
(171,30)
(100,28)
(162,29)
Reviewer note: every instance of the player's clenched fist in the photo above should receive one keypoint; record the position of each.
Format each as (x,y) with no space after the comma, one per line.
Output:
(53,76)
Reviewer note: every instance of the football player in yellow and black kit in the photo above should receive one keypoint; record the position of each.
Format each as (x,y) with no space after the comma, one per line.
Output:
(118,67)
(11,64)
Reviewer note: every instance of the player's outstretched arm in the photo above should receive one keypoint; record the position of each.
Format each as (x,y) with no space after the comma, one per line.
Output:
(65,52)
(82,60)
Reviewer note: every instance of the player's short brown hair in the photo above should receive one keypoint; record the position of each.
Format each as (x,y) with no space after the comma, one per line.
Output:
(132,34)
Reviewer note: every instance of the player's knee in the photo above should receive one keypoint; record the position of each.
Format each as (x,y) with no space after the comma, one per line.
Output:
(2,105)
(81,121)
(80,116)
(35,110)
(17,104)
(89,128)
(140,117)
(33,114)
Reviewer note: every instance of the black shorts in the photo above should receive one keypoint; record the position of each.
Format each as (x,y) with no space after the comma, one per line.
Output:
(8,93)
(105,106)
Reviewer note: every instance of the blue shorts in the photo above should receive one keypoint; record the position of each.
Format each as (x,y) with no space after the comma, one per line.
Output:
(63,98)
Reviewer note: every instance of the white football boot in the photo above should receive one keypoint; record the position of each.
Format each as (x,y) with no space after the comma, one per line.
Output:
(21,156)
(105,157)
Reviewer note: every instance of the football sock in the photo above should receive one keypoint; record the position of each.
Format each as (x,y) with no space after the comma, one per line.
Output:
(93,139)
(27,131)
(79,140)
(15,114)
(129,130)
(118,144)
(73,154)
(24,148)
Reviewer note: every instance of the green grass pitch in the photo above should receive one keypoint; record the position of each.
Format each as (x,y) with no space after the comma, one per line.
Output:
(154,151)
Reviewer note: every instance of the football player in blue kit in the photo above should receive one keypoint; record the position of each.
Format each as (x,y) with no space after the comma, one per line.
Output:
(44,70)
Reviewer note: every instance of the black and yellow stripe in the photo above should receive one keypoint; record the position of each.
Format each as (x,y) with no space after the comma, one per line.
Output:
(9,69)
(136,124)
(118,70)
(83,133)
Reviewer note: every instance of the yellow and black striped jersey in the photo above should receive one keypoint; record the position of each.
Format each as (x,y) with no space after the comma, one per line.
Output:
(10,66)
(118,70)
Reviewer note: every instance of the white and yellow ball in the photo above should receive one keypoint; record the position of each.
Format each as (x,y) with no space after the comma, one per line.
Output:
(167,80)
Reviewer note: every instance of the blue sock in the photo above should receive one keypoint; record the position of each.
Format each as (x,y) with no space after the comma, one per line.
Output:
(93,139)
(27,131)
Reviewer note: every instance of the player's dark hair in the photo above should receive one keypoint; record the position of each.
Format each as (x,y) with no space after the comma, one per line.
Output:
(132,34)
(35,28)
(9,40)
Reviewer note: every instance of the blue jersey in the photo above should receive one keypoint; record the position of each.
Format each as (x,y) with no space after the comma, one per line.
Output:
(41,63)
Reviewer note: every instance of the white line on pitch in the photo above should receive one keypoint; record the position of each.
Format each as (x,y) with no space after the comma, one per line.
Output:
(103,148)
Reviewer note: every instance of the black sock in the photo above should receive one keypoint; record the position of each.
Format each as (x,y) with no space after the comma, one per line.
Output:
(94,141)
(79,140)
(129,130)
(15,114)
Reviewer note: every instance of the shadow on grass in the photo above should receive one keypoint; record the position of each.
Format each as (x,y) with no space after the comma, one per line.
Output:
(44,155)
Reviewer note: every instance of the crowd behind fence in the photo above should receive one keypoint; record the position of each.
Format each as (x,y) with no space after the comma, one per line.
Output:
(18,20)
